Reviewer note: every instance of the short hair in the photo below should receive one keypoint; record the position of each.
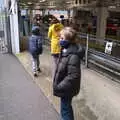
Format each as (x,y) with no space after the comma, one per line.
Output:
(69,33)
(54,21)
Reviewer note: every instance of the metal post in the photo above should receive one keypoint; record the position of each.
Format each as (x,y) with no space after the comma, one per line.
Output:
(86,52)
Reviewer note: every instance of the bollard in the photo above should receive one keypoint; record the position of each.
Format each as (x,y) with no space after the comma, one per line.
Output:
(86,52)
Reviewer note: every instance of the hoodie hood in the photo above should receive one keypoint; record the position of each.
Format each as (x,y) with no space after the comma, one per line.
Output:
(58,27)
(74,49)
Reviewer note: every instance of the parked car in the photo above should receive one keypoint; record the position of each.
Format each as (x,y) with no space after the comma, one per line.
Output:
(112,26)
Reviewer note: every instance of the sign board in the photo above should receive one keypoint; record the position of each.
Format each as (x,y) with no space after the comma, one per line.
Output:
(23,12)
(108,48)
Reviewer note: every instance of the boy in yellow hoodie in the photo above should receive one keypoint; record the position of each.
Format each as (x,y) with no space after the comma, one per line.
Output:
(53,35)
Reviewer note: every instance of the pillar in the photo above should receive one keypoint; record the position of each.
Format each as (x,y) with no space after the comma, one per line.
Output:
(102,15)
(14,28)
(7,31)
(82,2)
(31,19)
(86,1)
(43,12)
(68,13)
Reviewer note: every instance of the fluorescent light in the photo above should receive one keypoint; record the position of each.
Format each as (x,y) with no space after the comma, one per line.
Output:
(29,3)
(112,7)
(22,4)
(68,2)
(42,0)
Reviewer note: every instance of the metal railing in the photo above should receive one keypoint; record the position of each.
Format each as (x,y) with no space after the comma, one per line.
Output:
(95,52)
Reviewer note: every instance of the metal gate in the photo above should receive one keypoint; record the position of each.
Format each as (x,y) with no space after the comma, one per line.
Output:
(5,41)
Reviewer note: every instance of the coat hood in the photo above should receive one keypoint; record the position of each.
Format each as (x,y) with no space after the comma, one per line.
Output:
(74,49)
(57,27)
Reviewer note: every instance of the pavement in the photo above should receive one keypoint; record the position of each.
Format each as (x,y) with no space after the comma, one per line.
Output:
(20,97)
(98,98)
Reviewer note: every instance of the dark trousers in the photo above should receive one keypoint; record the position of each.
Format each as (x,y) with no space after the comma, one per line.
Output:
(55,59)
(66,108)
(35,62)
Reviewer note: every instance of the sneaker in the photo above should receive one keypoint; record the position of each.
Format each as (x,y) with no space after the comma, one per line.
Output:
(35,74)
(39,70)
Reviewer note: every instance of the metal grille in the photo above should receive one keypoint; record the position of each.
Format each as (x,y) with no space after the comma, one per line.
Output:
(3,40)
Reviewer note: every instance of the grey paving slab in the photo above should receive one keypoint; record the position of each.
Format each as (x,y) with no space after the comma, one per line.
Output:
(20,98)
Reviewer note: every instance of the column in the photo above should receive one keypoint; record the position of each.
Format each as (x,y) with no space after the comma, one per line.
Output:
(82,2)
(26,26)
(31,19)
(86,1)
(68,13)
(7,31)
(43,12)
(14,28)
(102,15)
(74,12)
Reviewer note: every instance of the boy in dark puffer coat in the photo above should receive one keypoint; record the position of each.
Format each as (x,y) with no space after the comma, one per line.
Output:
(35,48)
(67,77)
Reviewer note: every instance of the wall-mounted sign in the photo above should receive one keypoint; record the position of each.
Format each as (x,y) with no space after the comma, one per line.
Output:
(108,48)
(23,12)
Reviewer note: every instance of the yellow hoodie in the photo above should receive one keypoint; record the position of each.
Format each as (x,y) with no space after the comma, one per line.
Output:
(53,35)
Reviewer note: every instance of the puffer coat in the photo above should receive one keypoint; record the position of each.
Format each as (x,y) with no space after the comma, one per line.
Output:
(68,72)
(35,44)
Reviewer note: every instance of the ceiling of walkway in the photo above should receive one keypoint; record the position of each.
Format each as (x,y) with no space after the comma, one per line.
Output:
(41,4)
(63,4)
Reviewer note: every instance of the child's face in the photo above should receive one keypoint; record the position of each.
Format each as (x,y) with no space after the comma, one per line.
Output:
(62,36)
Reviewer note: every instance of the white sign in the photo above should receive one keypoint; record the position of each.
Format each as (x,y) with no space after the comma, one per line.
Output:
(108,48)
(23,12)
